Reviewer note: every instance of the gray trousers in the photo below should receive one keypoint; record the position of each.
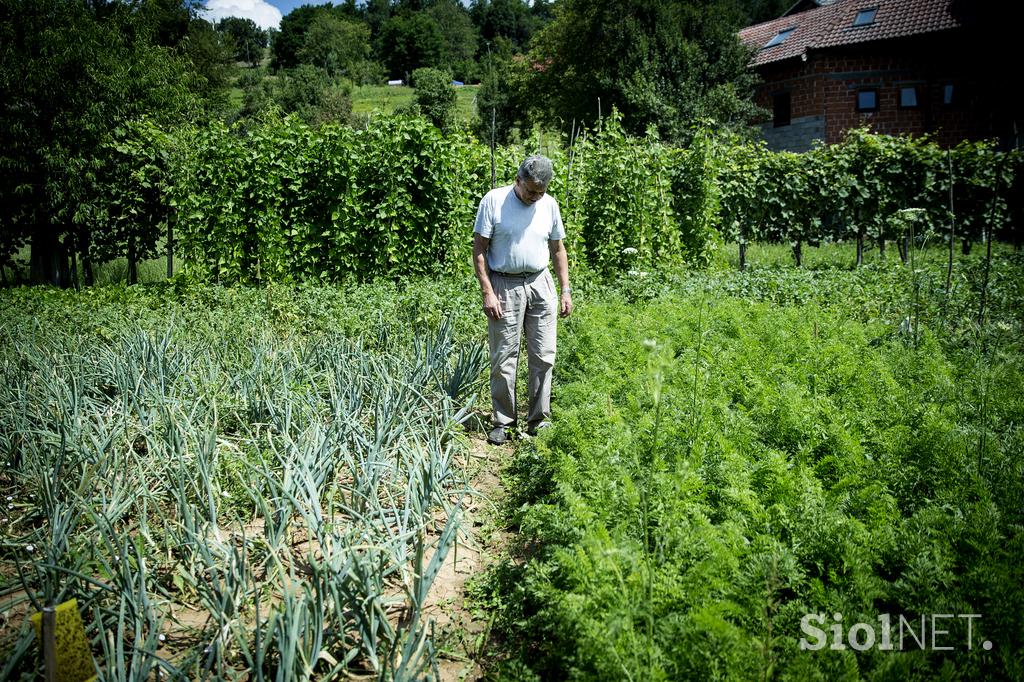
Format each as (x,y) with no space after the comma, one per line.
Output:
(528,303)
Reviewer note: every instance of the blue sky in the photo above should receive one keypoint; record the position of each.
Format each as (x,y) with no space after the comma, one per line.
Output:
(266,13)
(287,6)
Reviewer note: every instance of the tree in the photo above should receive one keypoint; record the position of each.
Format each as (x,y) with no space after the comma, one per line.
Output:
(166,22)
(250,39)
(349,9)
(211,54)
(257,94)
(336,45)
(312,94)
(509,19)
(434,95)
(542,11)
(411,40)
(503,101)
(129,208)
(460,37)
(71,73)
(292,36)
(662,63)
(377,13)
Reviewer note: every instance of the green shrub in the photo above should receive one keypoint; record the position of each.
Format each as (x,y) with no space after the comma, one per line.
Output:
(435,95)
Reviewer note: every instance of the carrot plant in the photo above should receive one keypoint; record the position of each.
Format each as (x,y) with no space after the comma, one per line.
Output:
(840,469)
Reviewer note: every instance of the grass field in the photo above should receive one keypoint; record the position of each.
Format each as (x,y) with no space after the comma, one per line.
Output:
(384,99)
(369,100)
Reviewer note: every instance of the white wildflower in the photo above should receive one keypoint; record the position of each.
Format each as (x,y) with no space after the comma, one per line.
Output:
(629,251)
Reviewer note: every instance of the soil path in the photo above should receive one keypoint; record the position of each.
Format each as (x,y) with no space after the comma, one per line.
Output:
(460,633)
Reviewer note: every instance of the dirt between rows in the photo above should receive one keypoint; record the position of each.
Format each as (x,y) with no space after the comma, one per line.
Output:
(461,634)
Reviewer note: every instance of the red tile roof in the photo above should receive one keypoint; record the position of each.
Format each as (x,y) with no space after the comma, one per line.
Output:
(832,25)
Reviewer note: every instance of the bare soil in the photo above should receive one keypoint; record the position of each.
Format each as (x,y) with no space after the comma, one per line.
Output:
(461,633)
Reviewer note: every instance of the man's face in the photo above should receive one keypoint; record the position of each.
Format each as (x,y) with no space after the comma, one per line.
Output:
(529,192)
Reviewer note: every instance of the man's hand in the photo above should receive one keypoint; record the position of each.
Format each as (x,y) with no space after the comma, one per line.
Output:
(561,261)
(492,306)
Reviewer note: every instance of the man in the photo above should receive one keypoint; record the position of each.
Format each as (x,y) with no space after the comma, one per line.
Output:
(517,229)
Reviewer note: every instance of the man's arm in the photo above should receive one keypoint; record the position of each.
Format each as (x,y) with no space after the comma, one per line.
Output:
(561,261)
(492,306)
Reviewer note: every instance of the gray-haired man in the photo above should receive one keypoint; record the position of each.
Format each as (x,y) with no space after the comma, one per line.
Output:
(517,229)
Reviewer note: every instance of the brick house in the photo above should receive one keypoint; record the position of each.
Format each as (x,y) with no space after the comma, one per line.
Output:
(897,66)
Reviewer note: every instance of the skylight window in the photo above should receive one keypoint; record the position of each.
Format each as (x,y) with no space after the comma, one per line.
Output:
(780,36)
(867,99)
(865,17)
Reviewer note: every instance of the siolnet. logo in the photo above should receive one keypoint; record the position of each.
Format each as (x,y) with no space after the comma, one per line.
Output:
(936,632)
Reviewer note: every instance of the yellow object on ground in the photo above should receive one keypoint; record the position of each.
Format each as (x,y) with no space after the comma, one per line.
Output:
(73,657)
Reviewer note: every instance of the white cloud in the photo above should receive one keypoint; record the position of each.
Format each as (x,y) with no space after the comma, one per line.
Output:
(264,14)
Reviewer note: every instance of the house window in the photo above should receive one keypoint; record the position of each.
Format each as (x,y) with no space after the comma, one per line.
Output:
(780,36)
(781,107)
(908,98)
(867,100)
(865,17)
(947,94)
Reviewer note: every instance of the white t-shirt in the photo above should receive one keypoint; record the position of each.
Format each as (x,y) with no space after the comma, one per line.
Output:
(519,233)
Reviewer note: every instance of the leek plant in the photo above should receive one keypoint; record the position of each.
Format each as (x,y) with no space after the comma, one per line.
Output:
(295,492)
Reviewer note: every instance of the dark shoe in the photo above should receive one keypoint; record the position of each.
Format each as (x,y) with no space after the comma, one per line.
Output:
(532,429)
(497,436)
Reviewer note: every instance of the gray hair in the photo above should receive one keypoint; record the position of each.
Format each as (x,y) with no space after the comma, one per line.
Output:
(536,169)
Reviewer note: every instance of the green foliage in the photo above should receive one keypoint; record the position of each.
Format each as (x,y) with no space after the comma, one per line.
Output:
(287,203)
(741,185)
(721,467)
(396,197)
(250,39)
(338,46)
(277,452)
(435,95)
(639,204)
(460,38)
(209,53)
(664,65)
(410,40)
(731,450)
(313,95)
(132,216)
(983,182)
(510,20)
(503,102)
(292,36)
(854,190)
(631,204)
(76,72)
